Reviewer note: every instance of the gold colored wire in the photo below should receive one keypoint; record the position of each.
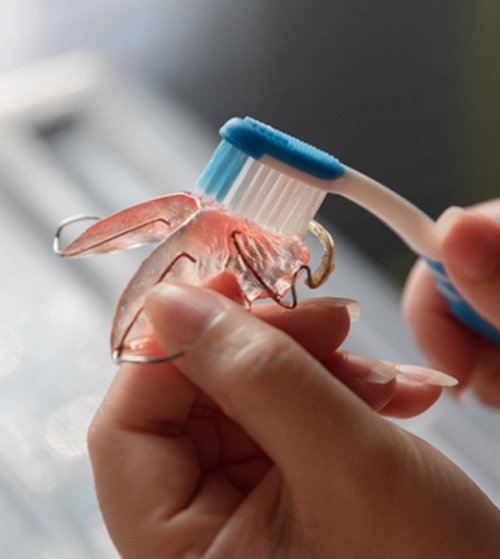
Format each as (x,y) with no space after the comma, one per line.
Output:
(327,263)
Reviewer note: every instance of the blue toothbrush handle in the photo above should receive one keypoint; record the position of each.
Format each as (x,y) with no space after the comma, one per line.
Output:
(459,307)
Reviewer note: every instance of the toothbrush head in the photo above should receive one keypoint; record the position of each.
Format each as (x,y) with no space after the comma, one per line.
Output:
(257,139)
(263,174)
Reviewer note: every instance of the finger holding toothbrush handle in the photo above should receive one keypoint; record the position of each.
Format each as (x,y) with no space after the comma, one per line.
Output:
(464,265)
(469,274)
(470,244)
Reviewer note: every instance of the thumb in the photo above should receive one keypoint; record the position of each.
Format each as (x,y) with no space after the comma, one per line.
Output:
(262,379)
(471,256)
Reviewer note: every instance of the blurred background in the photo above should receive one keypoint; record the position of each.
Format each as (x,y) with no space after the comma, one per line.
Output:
(107,103)
(405,91)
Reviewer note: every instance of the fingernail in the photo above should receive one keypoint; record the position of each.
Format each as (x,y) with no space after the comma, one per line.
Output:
(351,305)
(181,314)
(354,309)
(370,370)
(415,374)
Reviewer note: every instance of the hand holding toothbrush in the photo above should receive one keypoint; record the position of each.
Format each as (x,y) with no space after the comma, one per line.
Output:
(470,245)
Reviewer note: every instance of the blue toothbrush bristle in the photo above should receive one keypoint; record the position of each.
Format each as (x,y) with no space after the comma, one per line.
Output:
(222,170)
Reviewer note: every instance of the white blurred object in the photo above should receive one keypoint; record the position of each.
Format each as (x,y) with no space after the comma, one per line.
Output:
(73,137)
(77,138)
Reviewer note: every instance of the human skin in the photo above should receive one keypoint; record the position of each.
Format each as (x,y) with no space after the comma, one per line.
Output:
(264,441)
(470,244)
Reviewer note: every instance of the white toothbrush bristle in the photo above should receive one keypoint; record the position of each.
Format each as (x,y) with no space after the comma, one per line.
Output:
(273,200)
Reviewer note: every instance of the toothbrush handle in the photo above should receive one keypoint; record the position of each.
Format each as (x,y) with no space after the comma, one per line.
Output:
(418,231)
(459,307)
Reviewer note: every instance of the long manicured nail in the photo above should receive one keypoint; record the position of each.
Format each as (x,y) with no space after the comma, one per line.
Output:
(382,372)
(351,305)
(354,309)
(414,374)
(370,370)
(181,313)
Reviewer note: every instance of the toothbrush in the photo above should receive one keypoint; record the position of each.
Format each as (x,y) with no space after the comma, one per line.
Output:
(280,182)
